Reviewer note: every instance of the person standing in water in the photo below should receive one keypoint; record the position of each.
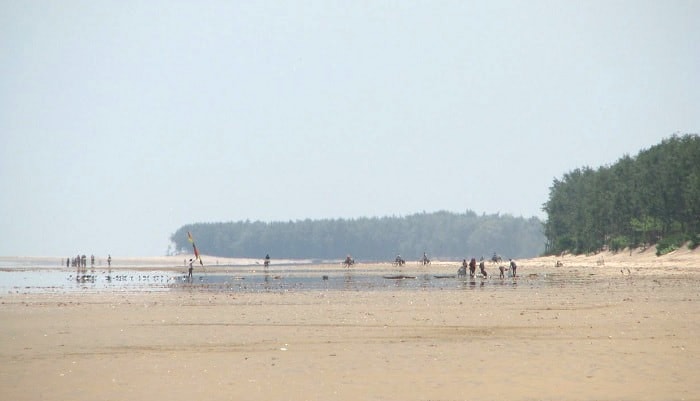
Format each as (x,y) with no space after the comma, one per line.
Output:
(462,272)
(189,274)
(513,267)
(482,267)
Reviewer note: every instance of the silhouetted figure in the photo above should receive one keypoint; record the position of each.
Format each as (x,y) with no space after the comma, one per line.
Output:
(462,272)
(482,267)
(349,261)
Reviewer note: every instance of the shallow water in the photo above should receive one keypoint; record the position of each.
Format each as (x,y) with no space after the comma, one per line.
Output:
(280,279)
(61,281)
(20,280)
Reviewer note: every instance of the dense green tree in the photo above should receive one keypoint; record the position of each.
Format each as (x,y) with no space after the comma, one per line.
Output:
(637,200)
(440,234)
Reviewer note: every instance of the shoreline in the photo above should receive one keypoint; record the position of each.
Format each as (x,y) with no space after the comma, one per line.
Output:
(641,260)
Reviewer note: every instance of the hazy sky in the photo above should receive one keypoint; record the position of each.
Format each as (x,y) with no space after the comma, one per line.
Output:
(121,121)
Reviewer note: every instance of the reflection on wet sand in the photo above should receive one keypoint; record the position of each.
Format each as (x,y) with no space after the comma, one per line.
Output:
(238,281)
(280,280)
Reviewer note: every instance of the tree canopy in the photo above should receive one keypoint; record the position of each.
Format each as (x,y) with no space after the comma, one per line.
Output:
(652,198)
(440,234)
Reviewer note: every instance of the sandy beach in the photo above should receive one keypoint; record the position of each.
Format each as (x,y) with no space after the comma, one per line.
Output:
(620,326)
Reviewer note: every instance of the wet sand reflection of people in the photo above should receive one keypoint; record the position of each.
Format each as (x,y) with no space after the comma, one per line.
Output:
(348,280)
(109,274)
(266,281)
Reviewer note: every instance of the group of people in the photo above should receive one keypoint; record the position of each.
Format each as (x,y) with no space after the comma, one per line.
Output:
(349,261)
(399,261)
(462,272)
(482,267)
(80,261)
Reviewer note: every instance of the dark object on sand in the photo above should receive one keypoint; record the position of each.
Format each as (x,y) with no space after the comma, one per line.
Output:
(398,277)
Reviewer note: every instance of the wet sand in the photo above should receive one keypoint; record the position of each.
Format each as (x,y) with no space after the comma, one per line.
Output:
(594,332)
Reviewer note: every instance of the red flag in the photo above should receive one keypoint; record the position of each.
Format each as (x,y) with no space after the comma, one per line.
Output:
(196,252)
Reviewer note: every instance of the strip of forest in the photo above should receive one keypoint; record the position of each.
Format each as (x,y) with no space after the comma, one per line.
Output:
(442,235)
(652,198)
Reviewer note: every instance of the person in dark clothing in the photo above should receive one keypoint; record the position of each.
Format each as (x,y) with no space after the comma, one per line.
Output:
(472,267)
(462,271)
(482,267)
(513,267)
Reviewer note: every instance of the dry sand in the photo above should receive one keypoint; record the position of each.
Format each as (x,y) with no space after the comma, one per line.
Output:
(596,334)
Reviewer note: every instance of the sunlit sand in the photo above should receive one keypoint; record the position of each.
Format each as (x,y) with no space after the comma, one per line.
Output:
(599,327)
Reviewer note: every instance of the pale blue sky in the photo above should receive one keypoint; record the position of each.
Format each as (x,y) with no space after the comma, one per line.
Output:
(120,121)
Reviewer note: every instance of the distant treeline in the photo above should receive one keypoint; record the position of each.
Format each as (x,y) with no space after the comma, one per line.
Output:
(652,198)
(440,234)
